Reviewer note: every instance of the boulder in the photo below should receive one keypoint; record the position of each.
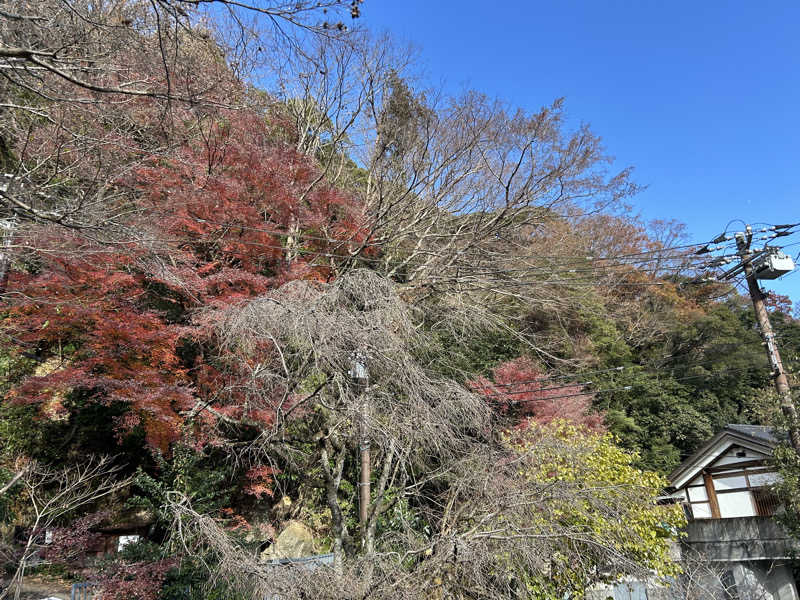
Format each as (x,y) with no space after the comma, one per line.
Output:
(295,541)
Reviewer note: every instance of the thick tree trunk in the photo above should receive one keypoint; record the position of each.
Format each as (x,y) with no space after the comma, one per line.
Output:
(333,479)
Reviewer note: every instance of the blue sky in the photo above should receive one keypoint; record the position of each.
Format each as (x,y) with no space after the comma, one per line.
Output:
(703,99)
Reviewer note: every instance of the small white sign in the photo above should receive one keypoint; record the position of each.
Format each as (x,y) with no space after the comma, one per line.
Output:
(124,540)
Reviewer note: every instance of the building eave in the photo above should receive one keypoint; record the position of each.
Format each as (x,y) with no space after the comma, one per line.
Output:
(712,449)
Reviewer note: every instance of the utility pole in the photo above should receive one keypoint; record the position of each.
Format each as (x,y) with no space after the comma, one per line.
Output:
(360,375)
(366,468)
(743,241)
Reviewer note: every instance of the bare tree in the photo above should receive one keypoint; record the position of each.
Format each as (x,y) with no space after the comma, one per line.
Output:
(21,469)
(437,454)
(453,187)
(89,90)
(53,494)
(234,569)
(105,47)
(462,196)
(701,579)
(490,532)
(300,345)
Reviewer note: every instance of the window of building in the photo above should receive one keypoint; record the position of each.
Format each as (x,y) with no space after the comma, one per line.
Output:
(733,492)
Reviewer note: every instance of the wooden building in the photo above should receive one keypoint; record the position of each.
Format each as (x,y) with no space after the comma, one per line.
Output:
(725,488)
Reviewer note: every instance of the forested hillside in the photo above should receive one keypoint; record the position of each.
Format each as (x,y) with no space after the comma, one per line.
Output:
(245,252)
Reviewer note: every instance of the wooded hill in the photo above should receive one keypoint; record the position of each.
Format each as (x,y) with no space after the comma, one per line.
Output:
(234,261)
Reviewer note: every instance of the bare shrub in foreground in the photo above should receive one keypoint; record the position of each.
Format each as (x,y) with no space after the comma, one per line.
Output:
(53,494)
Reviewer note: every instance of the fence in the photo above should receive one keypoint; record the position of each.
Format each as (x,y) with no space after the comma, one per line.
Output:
(85,590)
(82,591)
(307,562)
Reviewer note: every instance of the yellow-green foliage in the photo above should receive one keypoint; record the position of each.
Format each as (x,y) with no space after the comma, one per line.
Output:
(604,505)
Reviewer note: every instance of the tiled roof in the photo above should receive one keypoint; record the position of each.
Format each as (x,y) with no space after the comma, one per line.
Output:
(757,431)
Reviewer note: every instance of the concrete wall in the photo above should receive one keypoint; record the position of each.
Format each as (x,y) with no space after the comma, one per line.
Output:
(754,550)
(749,558)
(760,580)
(741,539)
(764,580)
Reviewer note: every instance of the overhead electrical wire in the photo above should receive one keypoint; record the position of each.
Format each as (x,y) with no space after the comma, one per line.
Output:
(777,231)
(467,281)
(656,254)
(530,269)
(301,235)
(607,390)
(464,280)
(600,371)
(601,391)
(700,262)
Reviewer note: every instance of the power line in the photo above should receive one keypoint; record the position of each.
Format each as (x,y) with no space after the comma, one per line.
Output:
(551,378)
(529,269)
(465,281)
(658,253)
(602,391)
(447,236)
(522,270)
(596,372)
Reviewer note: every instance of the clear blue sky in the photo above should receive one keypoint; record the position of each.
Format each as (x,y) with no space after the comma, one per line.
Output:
(702,98)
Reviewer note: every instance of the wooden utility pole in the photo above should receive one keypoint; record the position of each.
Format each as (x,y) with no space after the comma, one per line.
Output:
(743,240)
(366,467)
(360,375)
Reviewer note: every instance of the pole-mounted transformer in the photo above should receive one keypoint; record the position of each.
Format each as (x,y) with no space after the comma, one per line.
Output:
(772,263)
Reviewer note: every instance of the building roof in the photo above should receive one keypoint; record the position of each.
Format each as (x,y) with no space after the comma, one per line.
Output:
(756,431)
(755,437)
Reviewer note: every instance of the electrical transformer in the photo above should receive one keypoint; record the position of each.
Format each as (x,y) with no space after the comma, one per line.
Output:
(772,263)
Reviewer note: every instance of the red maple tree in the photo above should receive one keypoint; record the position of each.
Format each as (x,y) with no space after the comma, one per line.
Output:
(231,215)
(519,389)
